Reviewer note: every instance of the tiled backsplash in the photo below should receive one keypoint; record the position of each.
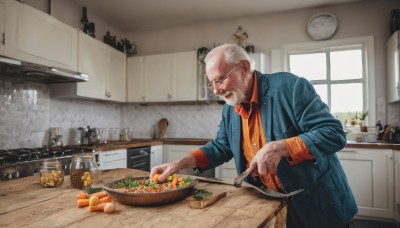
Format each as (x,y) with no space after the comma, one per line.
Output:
(27,112)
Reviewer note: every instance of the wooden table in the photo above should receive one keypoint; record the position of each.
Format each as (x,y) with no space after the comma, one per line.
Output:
(25,203)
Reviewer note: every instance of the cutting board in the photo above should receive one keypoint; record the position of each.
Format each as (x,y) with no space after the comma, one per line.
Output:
(198,204)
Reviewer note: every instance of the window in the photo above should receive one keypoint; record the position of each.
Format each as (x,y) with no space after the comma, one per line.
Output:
(341,72)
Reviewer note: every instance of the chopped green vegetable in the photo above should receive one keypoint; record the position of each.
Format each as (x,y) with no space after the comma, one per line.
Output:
(91,190)
(201,194)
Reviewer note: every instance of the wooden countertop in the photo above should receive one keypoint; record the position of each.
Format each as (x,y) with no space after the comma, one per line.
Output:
(201,142)
(24,202)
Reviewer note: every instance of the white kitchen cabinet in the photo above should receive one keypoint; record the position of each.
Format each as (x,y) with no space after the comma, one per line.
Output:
(34,36)
(370,175)
(162,77)
(397,185)
(260,62)
(184,75)
(157,70)
(393,64)
(116,75)
(112,159)
(3,21)
(135,79)
(174,152)
(227,170)
(156,155)
(106,69)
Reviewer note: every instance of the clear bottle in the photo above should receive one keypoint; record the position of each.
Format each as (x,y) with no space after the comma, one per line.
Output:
(84,171)
(51,173)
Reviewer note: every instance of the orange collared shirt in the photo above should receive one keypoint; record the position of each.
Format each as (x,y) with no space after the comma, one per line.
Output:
(253,139)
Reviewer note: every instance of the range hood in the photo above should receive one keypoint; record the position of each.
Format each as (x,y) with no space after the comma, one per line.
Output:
(38,73)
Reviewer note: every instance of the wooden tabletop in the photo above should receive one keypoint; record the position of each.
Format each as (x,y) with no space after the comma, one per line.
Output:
(25,203)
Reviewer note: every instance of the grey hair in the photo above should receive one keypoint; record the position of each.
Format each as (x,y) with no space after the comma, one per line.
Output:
(233,55)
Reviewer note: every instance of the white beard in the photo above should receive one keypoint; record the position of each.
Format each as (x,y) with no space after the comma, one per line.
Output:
(235,98)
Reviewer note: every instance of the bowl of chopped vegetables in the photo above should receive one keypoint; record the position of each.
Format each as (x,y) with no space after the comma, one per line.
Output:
(142,191)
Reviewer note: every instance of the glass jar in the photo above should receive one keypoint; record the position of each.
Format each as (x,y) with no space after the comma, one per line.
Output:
(84,171)
(51,173)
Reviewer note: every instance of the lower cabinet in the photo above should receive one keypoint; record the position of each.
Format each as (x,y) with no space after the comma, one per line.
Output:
(370,175)
(174,152)
(112,159)
(156,155)
(227,170)
(397,185)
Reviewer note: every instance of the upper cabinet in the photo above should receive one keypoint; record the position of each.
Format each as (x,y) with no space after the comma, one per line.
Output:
(33,36)
(105,67)
(393,63)
(162,77)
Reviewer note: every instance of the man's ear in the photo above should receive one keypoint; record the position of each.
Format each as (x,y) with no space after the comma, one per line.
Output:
(245,66)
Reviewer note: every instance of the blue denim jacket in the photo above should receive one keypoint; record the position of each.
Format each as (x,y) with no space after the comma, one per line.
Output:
(289,106)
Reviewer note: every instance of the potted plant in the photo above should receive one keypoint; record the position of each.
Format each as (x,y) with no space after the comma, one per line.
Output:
(354,119)
(361,116)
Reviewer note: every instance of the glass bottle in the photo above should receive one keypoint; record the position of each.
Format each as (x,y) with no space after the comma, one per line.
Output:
(84,171)
(51,173)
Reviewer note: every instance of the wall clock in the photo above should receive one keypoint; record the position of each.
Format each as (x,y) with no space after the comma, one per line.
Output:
(322,26)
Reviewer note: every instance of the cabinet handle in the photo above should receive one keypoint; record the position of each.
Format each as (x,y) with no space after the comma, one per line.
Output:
(169,95)
(111,154)
(144,98)
(109,94)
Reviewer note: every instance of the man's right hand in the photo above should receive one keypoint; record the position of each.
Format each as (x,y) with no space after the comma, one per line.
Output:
(167,169)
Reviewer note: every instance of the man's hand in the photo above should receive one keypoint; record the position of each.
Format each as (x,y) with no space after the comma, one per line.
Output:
(172,167)
(268,157)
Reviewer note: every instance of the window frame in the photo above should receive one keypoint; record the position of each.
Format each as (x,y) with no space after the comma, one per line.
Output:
(367,46)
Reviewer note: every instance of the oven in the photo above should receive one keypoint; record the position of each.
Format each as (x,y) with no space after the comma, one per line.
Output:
(138,158)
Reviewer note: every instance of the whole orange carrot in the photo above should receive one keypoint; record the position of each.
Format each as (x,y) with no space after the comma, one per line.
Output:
(82,202)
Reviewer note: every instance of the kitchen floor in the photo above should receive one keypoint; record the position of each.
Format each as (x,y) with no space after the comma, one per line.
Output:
(358,223)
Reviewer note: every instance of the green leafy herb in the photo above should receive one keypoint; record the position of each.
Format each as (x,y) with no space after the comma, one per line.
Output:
(91,190)
(201,194)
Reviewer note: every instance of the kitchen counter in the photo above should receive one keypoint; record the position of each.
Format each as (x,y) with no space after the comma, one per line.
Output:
(26,203)
(201,142)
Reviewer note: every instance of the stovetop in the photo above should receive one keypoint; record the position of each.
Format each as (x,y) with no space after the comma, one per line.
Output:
(34,154)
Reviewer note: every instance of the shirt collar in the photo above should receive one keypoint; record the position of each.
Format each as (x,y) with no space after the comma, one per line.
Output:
(254,97)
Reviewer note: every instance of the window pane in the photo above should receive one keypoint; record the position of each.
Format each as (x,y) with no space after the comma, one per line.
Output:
(346,65)
(310,66)
(347,98)
(322,91)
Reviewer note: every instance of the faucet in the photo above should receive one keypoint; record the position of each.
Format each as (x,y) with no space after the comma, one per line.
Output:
(87,133)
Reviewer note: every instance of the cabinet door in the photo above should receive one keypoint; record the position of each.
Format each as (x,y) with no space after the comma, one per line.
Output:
(157,74)
(370,175)
(184,75)
(116,76)
(227,170)
(397,184)
(393,62)
(112,159)
(136,89)
(92,61)
(156,155)
(42,39)
(2,26)
(260,62)
(174,152)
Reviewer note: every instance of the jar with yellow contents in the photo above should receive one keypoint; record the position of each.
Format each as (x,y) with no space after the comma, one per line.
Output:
(51,173)
(84,171)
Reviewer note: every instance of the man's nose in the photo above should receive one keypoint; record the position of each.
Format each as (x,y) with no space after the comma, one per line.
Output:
(218,90)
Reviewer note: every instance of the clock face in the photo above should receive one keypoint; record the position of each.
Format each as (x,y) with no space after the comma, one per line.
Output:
(322,26)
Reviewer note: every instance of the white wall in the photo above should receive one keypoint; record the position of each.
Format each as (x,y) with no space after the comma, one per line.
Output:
(271,31)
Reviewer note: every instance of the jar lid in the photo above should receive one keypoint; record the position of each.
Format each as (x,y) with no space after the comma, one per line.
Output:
(52,162)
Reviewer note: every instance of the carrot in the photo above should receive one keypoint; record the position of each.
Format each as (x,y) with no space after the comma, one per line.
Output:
(175,180)
(155,177)
(82,202)
(100,194)
(82,195)
(105,199)
(106,207)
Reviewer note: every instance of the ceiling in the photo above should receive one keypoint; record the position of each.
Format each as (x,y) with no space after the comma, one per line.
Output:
(139,15)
